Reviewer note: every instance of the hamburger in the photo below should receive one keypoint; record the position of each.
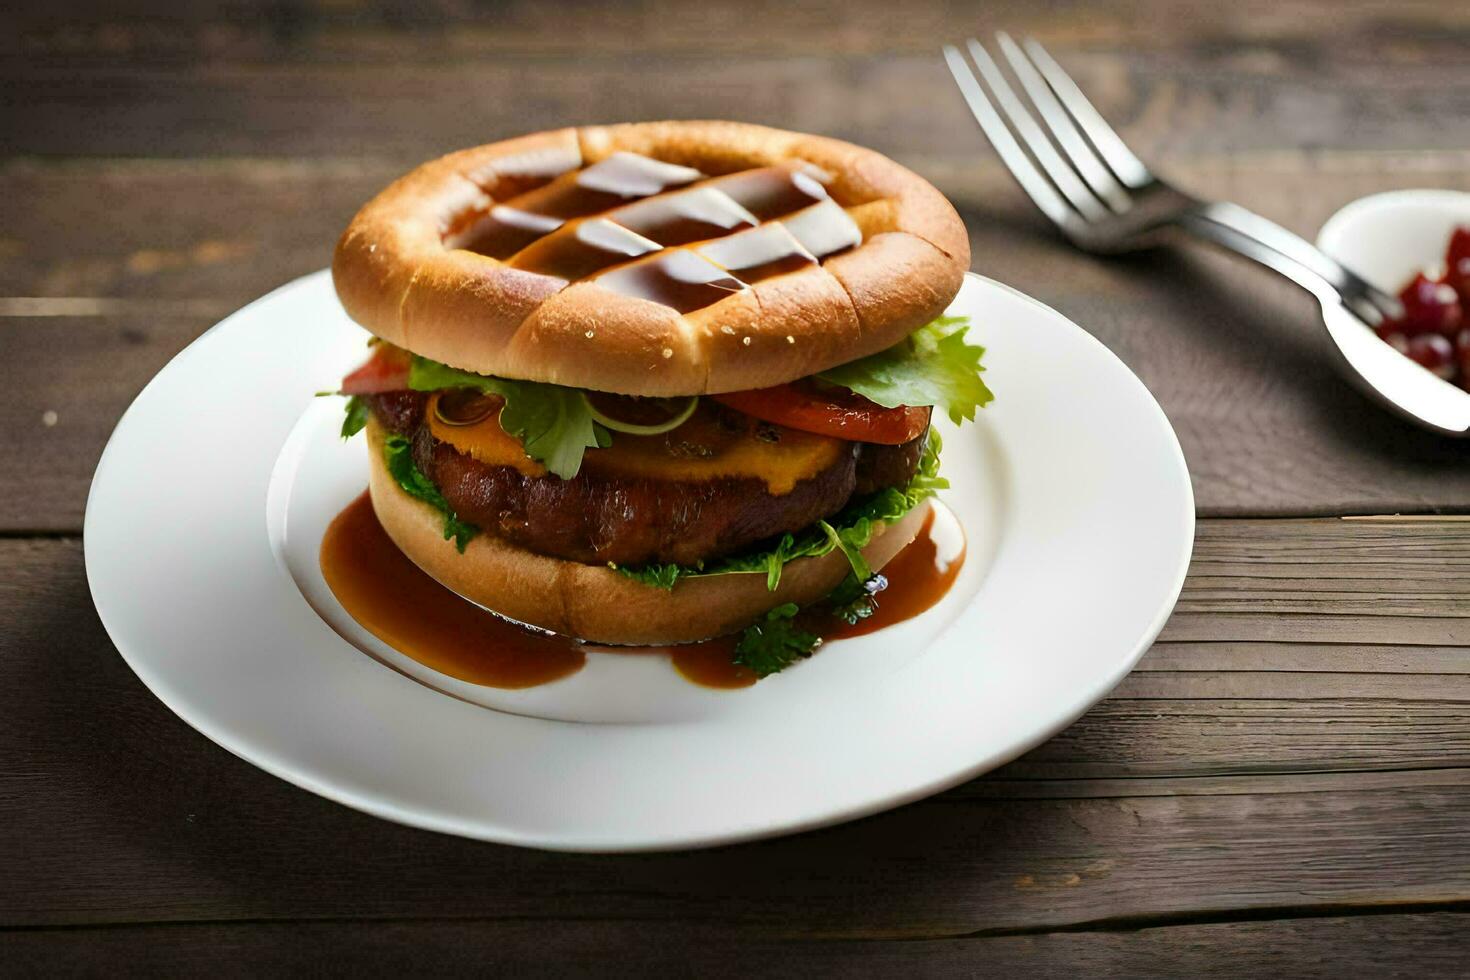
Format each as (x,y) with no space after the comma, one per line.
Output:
(657,382)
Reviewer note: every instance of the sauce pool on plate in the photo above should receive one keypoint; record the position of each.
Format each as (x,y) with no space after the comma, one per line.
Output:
(918,577)
(392,598)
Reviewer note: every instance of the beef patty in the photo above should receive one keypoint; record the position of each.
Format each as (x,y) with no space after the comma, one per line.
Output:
(597,518)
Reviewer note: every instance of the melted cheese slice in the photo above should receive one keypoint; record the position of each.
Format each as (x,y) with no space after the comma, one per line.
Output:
(714,444)
(485,441)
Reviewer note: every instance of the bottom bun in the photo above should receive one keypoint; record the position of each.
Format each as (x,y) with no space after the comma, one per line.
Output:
(596,603)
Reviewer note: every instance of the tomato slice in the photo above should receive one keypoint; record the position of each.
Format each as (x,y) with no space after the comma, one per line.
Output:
(830,412)
(386,370)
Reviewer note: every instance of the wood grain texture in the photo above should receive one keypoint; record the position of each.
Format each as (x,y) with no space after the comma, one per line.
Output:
(1297,744)
(1182,792)
(1367,728)
(60,408)
(894,103)
(1373,581)
(1400,945)
(304,80)
(435,30)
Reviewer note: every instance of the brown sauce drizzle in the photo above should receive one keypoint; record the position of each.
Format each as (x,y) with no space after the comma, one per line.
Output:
(677,278)
(393,599)
(519,173)
(712,664)
(390,597)
(630,175)
(582,222)
(770,192)
(917,579)
(502,231)
(582,248)
(618,180)
(759,253)
(824,229)
(688,216)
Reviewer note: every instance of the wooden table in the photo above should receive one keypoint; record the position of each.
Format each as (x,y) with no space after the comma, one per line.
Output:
(1283,784)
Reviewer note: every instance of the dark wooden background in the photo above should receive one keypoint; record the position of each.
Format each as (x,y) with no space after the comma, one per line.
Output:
(1283,784)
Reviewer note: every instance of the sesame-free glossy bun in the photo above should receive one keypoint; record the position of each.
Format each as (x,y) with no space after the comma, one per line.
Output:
(596,603)
(407,270)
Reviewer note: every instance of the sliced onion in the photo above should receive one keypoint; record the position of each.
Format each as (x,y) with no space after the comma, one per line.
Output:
(634,429)
(465,406)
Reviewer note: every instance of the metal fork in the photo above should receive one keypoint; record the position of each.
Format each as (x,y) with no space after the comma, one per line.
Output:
(1105,200)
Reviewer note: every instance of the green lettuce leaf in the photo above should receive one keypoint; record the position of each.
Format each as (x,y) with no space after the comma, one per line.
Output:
(357,416)
(775,642)
(658,576)
(851,530)
(933,366)
(398,454)
(851,541)
(552,422)
(854,600)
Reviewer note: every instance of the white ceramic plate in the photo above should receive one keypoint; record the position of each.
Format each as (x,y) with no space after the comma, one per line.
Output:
(209,502)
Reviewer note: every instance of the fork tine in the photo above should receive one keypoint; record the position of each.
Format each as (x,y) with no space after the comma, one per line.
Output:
(1110,145)
(1060,172)
(1040,190)
(1097,176)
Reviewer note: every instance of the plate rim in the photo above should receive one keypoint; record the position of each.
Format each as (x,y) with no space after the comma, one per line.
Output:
(489,830)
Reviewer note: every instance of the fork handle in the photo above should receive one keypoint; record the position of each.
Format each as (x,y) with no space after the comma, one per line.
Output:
(1266,242)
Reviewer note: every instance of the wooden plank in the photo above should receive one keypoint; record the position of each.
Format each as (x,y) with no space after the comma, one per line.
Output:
(1277,685)
(1306,627)
(1007,784)
(1401,945)
(1317,657)
(1368,727)
(148,230)
(68,380)
(1329,581)
(113,810)
(1386,549)
(1210,96)
(327,30)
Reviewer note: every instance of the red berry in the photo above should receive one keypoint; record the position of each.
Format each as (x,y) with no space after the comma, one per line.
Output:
(1457,264)
(1457,277)
(1430,307)
(1435,352)
(1462,354)
(1459,247)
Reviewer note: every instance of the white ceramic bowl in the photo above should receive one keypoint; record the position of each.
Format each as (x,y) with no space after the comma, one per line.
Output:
(1386,239)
